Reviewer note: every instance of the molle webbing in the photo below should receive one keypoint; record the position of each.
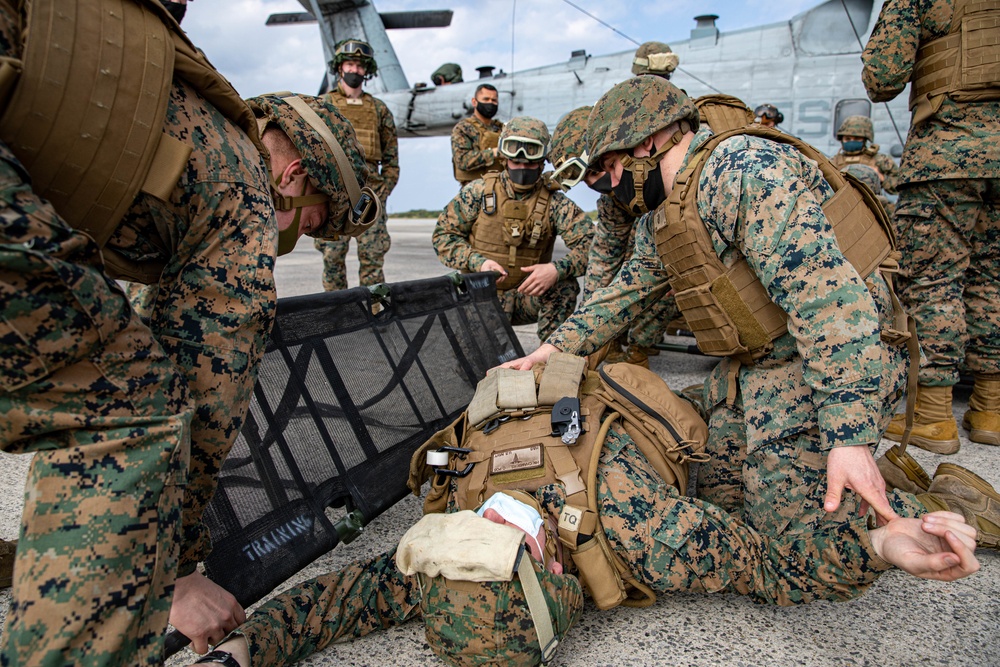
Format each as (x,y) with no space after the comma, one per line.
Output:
(964,64)
(87,122)
(727,308)
(841,160)
(513,232)
(723,112)
(487,139)
(363,116)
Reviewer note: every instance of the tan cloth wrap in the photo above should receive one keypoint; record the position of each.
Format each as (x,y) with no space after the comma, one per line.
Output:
(462,546)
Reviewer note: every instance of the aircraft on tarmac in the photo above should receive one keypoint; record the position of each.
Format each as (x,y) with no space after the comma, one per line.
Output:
(808,66)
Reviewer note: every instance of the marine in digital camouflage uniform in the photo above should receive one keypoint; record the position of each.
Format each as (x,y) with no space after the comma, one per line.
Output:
(467,137)
(947,216)
(860,129)
(614,234)
(452,242)
(383,174)
(670,542)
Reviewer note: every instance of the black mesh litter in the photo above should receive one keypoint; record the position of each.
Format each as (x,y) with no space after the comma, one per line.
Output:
(343,397)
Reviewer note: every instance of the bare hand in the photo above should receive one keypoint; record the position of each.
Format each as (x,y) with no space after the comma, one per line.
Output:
(204,611)
(540,279)
(854,468)
(939,546)
(490,265)
(539,356)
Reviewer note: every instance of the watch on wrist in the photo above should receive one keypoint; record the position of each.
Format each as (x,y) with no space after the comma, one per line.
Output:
(219,658)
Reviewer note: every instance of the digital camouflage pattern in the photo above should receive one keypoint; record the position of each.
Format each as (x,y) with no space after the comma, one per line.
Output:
(374,243)
(662,66)
(323,169)
(857,126)
(861,126)
(528,127)
(866,175)
(633,110)
(489,623)
(831,376)
(87,389)
(569,139)
(466,138)
(670,542)
(947,214)
(214,301)
(451,241)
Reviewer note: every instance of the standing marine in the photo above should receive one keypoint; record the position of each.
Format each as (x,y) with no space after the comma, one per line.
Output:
(947,216)
(508,222)
(474,139)
(857,146)
(354,63)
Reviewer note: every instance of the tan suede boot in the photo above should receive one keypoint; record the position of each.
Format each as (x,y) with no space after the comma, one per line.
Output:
(959,490)
(982,419)
(901,471)
(7,550)
(934,426)
(638,355)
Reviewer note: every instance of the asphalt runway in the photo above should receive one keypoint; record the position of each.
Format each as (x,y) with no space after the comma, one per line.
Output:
(901,620)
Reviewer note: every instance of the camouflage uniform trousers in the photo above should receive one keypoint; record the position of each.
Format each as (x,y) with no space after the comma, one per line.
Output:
(86,387)
(372,248)
(212,306)
(549,310)
(949,233)
(671,542)
(777,487)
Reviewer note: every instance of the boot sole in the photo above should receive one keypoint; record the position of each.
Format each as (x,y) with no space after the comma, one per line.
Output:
(981,436)
(968,478)
(910,468)
(936,446)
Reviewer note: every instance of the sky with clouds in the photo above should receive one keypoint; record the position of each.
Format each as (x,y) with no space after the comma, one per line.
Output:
(259,59)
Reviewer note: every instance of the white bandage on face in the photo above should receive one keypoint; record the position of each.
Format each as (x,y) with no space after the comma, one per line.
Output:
(515,513)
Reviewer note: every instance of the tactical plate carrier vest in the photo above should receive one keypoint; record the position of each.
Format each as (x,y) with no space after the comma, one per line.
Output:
(363,116)
(865,157)
(487,139)
(963,65)
(513,232)
(87,122)
(727,308)
(527,429)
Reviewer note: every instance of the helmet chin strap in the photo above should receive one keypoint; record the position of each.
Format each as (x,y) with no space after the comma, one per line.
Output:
(641,166)
(288,237)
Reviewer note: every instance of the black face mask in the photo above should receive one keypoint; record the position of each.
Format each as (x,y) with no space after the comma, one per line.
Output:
(525,177)
(176,9)
(486,110)
(653,192)
(353,79)
(603,184)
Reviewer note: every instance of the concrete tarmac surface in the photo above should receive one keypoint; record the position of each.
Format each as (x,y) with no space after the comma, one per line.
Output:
(900,621)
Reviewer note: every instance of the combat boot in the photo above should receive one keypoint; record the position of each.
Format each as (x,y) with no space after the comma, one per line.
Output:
(934,426)
(7,550)
(901,471)
(637,355)
(982,419)
(962,491)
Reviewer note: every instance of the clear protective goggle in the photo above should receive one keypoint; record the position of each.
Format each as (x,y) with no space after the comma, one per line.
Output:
(521,148)
(571,171)
(353,47)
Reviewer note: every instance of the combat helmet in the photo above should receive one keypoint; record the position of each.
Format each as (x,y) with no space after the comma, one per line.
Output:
(623,118)
(484,600)
(568,149)
(856,126)
(655,58)
(525,139)
(319,132)
(355,49)
(866,175)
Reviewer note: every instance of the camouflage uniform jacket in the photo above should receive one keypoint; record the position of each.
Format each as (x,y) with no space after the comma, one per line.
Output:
(465,151)
(383,175)
(885,164)
(454,228)
(614,238)
(831,371)
(961,140)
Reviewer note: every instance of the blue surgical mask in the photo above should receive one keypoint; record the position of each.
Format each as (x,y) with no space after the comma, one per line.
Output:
(854,146)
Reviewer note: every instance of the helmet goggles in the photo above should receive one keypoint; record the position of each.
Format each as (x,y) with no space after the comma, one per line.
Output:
(521,149)
(571,171)
(355,48)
